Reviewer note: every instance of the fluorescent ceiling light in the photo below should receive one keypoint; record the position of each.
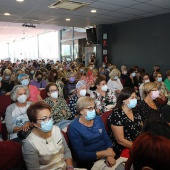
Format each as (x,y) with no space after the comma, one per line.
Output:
(19,0)
(68,19)
(93,11)
(7,14)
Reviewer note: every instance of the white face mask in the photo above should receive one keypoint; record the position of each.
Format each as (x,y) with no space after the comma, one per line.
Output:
(104,88)
(54,95)
(61,69)
(83,92)
(146,81)
(22,98)
(116,77)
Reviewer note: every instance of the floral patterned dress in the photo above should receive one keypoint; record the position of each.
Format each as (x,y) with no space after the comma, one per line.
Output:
(101,102)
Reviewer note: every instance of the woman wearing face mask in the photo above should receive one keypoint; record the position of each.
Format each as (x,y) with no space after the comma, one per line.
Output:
(70,86)
(62,74)
(38,82)
(16,114)
(149,107)
(34,91)
(114,83)
(31,73)
(131,81)
(45,147)
(124,74)
(6,83)
(81,89)
(144,79)
(88,136)
(105,99)
(124,123)
(59,109)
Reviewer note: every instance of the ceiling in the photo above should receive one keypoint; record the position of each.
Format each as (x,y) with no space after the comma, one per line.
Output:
(108,11)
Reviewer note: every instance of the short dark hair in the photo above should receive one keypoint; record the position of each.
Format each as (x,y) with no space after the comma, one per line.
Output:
(131,70)
(123,95)
(38,72)
(49,85)
(156,126)
(143,75)
(34,108)
(99,80)
(168,73)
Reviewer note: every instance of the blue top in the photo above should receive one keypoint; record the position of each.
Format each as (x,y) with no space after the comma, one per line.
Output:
(86,141)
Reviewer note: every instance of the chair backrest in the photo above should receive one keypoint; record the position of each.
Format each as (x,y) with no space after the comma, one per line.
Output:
(10,155)
(5,102)
(104,118)
(43,94)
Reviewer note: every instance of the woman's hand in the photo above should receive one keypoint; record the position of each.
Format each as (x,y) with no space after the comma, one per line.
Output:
(110,161)
(26,126)
(109,152)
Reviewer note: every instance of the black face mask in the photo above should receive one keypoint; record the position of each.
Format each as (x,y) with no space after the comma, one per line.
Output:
(39,79)
(72,67)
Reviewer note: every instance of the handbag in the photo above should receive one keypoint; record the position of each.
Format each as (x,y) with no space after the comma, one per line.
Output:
(23,134)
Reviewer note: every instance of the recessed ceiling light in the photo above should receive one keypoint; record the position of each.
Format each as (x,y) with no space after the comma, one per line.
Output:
(68,19)
(93,11)
(7,14)
(20,0)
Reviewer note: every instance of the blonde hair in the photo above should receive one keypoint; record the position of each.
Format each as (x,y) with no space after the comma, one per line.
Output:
(83,102)
(114,72)
(147,88)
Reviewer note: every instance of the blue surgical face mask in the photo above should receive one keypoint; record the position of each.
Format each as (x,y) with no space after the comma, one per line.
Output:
(116,77)
(7,77)
(132,103)
(159,79)
(0,78)
(90,115)
(25,82)
(46,126)
(133,74)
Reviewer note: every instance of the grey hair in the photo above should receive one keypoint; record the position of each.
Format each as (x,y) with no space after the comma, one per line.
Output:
(15,89)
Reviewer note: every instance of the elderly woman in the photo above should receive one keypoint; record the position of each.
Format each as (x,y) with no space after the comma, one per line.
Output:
(38,82)
(59,109)
(149,107)
(34,91)
(114,83)
(70,86)
(16,114)
(45,147)
(88,136)
(105,99)
(81,89)
(124,123)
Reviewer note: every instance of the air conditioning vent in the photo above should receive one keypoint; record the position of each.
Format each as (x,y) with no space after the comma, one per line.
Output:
(68,4)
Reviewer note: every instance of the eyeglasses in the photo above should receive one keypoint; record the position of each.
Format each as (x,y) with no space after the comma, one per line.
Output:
(90,108)
(46,119)
(53,90)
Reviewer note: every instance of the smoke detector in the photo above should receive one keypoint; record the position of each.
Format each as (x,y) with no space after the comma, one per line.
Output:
(68,4)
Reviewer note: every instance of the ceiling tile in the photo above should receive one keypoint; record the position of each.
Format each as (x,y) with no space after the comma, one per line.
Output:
(160,3)
(131,11)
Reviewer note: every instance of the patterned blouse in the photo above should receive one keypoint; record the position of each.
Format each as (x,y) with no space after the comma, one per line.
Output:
(72,105)
(59,110)
(131,128)
(101,101)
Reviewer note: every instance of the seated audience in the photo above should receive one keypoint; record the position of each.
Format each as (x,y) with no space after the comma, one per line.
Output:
(45,147)
(34,91)
(81,89)
(88,136)
(16,114)
(38,82)
(60,112)
(167,81)
(105,99)
(114,82)
(124,123)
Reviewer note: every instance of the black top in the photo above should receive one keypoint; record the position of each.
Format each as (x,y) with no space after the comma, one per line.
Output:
(69,89)
(128,82)
(146,111)
(131,128)
(6,86)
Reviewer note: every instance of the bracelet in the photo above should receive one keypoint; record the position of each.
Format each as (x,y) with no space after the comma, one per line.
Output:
(70,167)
